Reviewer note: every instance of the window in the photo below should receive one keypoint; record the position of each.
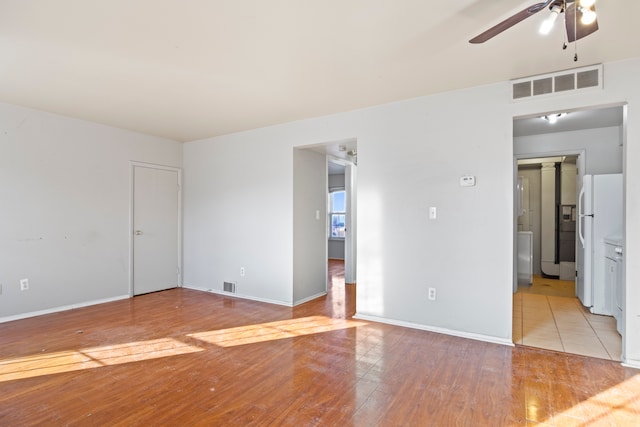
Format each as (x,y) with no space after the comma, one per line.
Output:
(337,214)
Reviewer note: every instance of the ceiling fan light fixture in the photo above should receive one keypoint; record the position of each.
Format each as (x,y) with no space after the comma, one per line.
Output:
(588,16)
(547,24)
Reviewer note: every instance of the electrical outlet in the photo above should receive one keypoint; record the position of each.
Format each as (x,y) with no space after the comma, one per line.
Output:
(432,294)
(24,284)
(241,271)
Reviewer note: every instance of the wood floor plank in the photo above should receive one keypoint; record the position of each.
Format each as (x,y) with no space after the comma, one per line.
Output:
(184,357)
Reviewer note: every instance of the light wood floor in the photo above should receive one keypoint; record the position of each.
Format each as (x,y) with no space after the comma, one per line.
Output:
(188,358)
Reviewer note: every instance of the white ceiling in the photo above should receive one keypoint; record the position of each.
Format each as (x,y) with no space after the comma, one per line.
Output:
(191,69)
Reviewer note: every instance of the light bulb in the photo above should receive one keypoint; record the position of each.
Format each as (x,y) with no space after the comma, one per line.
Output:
(587,3)
(547,24)
(552,118)
(588,17)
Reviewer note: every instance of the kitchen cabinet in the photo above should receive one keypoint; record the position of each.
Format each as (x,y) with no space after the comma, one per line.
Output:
(614,279)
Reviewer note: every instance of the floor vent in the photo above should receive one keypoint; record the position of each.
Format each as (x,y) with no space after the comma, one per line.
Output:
(229,287)
(557,83)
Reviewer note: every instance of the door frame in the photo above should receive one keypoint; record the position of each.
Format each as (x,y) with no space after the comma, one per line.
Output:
(516,157)
(132,167)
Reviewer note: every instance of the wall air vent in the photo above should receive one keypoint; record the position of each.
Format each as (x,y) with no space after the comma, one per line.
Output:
(229,287)
(561,82)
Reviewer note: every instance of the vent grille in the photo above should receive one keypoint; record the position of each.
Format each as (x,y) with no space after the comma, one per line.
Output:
(587,79)
(557,83)
(565,82)
(229,287)
(542,86)
(521,90)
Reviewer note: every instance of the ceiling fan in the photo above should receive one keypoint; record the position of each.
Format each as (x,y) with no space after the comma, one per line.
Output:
(579,17)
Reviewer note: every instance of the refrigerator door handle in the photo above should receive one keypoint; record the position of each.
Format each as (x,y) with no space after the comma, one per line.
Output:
(580,216)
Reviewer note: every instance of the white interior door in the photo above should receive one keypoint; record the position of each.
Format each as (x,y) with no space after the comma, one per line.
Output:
(156,195)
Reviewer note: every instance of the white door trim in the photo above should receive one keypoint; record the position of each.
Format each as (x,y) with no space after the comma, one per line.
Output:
(132,166)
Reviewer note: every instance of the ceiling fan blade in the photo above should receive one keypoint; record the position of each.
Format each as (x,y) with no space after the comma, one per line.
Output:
(510,22)
(575,28)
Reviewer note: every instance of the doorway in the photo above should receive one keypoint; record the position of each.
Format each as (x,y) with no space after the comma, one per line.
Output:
(546,311)
(313,220)
(155,228)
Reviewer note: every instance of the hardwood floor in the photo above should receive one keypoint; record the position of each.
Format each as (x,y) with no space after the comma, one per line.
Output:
(184,357)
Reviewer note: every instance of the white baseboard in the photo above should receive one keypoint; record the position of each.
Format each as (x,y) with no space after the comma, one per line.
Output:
(235,295)
(312,297)
(62,308)
(635,364)
(477,337)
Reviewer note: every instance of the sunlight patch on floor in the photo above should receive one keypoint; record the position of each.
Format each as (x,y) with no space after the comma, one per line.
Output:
(614,406)
(75,360)
(274,330)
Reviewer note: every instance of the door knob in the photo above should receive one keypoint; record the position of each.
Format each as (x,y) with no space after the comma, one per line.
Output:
(138,233)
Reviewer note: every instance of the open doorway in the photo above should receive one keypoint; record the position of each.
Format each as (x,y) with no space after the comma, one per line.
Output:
(324,217)
(551,158)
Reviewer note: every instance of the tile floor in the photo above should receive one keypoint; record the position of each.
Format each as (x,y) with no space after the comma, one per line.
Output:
(563,324)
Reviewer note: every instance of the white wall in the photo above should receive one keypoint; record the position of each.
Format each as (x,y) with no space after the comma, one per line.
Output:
(309,225)
(336,181)
(64,208)
(238,212)
(335,249)
(411,157)
(603,147)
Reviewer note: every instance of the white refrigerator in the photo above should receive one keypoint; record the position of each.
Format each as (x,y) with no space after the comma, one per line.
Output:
(599,216)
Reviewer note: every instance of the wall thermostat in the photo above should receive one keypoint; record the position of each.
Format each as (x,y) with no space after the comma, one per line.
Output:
(467,181)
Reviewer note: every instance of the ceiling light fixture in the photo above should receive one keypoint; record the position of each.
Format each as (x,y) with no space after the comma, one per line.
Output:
(588,16)
(553,118)
(587,11)
(547,24)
